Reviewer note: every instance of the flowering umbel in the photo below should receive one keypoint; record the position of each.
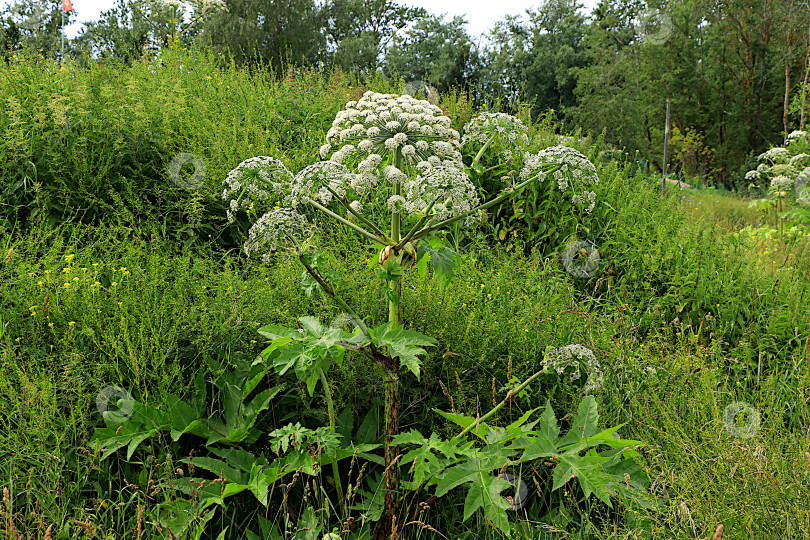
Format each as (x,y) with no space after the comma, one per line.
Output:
(278,229)
(571,360)
(253,183)
(486,126)
(367,133)
(574,173)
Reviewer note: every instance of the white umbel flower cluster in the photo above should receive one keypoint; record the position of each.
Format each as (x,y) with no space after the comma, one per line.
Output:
(574,173)
(277,229)
(775,155)
(320,182)
(369,132)
(254,181)
(453,192)
(797,135)
(781,183)
(799,159)
(571,360)
(485,126)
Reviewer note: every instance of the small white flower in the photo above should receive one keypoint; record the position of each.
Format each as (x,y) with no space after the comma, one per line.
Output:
(396,203)
(394,175)
(567,161)
(775,155)
(487,125)
(796,135)
(253,182)
(571,360)
(357,206)
(781,183)
(282,228)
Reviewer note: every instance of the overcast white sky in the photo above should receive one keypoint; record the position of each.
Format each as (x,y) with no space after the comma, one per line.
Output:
(480,14)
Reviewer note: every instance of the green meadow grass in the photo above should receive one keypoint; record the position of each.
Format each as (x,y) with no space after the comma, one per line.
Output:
(109,277)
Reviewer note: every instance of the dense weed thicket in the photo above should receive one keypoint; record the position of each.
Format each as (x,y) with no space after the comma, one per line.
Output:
(113,275)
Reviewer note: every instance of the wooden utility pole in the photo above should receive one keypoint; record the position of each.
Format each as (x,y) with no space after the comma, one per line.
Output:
(666,147)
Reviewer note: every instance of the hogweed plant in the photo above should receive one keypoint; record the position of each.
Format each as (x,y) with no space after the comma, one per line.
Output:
(785,170)
(390,157)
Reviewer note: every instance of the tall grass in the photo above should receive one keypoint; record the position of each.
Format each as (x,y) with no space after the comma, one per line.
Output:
(109,277)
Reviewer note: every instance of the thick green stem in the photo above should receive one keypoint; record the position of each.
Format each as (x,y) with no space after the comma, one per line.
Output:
(348,223)
(417,226)
(338,300)
(330,409)
(500,405)
(395,216)
(481,152)
(385,526)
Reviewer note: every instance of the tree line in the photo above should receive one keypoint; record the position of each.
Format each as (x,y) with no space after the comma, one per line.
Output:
(734,71)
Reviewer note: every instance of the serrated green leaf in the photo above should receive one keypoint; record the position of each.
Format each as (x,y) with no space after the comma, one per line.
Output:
(486,494)
(584,425)
(588,471)
(404,344)
(465,422)
(544,441)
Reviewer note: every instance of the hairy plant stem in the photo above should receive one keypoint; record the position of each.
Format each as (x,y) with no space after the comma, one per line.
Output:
(385,526)
(330,409)
(338,300)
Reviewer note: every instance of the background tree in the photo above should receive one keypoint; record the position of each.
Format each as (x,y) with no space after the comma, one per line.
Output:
(34,25)
(537,58)
(268,31)
(359,32)
(121,32)
(434,51)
